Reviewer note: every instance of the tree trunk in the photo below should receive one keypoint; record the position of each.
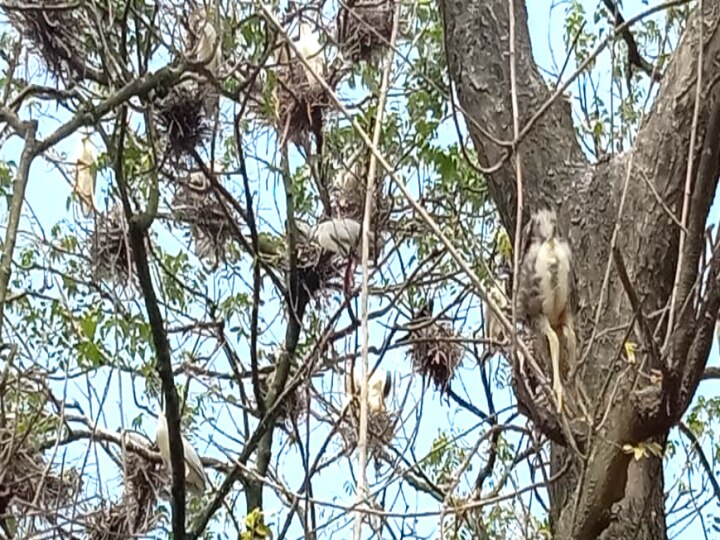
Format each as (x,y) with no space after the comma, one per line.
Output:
(607,494)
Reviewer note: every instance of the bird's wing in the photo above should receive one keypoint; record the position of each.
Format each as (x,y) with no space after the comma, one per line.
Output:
(194,471)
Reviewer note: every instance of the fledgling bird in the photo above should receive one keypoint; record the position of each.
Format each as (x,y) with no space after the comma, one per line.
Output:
(85,175)
(308,44)
(546,293)
(207,48)
(195,479)
(379,387)
(500,294)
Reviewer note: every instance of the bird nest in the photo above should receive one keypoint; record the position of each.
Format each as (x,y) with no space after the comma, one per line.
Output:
(435,353)
(135,514)
(300,101)
(348,199)
(292,407)
(25,480)
(317,268)
(110,249)
(52,27)
(182,116)
(380,426)
(195,203)
(364,26)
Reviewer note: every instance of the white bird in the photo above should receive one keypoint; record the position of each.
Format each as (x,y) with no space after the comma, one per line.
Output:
(85,174)
(208,47)
(379,387)
(497,290)
(340,236)
(546,293)
(195,479)
(308,44)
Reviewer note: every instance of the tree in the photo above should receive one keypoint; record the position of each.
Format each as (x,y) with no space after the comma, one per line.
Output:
(623,214)
(223,138)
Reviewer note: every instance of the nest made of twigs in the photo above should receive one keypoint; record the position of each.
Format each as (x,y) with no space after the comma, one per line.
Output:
(183,116)
(318,268)
(364,26)
(110,249)
(435,352)
(300,103)
(195,203)
(135,514)
(26,482)
(380,426)
(54,28)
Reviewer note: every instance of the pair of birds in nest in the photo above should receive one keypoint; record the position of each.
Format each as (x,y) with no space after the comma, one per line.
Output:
(546,296)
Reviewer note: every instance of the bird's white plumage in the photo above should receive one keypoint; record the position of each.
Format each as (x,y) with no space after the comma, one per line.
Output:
(208,48)
(379,387)
(546,290)
(308,44)
(85,174)
(195,479)
(340,236)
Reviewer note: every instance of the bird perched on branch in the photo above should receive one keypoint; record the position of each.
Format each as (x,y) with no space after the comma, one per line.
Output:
(308,44)
(195,479)
(546,293)
(500,294)
(205,47)
(379,388)
(85,174)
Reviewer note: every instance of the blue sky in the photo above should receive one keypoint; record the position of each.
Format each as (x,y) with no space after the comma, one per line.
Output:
(47,194)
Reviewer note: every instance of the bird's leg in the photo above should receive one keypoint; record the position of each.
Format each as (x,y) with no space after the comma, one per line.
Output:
(554,344)
(348,280)
(568,329)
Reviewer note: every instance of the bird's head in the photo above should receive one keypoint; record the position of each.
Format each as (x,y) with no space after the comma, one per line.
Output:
(543,225)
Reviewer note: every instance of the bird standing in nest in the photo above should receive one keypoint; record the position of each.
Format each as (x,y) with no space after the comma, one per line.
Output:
(342,236)
(546,293)
(379,388)
(85,175)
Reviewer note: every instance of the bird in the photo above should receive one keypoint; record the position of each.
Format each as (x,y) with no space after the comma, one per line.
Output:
(499,294)
(546,292)
(340,236)
(379,387)
(85,174)
(308,44)
(195,479)
(208,47)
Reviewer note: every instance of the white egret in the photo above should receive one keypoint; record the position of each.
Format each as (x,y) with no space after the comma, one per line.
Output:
(85,174)
(340,236)
(195,479)
(546,293)
(379,387)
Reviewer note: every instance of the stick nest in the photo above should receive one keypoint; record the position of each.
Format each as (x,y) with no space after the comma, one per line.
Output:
(23,475)
(292,407)
(434,353)
(182,116)
(380,425)
(299,103)
(196,204)
(135,514)
(53,27)
(110,249)
(365,26)
(318,268)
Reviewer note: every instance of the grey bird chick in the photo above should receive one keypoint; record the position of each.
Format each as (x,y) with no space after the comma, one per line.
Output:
(546,293)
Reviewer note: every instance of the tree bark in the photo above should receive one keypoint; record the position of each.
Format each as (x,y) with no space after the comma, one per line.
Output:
(607,495)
